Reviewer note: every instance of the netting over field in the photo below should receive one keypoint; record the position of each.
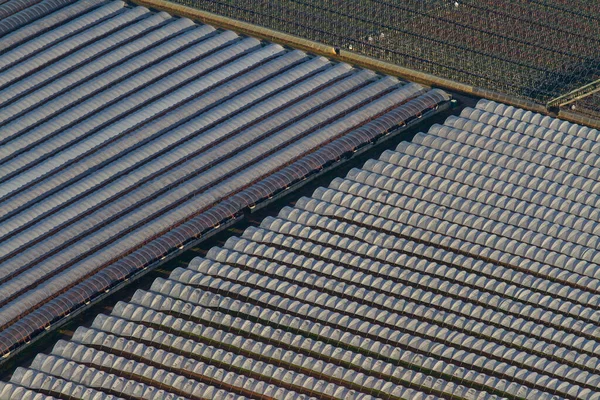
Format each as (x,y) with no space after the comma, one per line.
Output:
(536,49)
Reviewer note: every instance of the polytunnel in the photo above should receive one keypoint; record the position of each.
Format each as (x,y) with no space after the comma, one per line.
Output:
(442,270)
(127,135)
(464,264)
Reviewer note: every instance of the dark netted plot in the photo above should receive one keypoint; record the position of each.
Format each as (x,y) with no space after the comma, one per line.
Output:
(535,49)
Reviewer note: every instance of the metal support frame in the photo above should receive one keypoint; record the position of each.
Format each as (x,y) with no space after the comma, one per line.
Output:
(574,95)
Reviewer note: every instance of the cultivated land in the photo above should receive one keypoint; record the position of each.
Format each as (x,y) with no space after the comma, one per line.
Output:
(538,50)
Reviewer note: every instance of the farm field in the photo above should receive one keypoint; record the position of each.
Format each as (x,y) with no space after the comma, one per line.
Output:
(537,50)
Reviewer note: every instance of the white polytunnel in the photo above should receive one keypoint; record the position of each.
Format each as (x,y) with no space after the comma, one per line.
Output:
(463,264)
(442,270)
(128,134)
